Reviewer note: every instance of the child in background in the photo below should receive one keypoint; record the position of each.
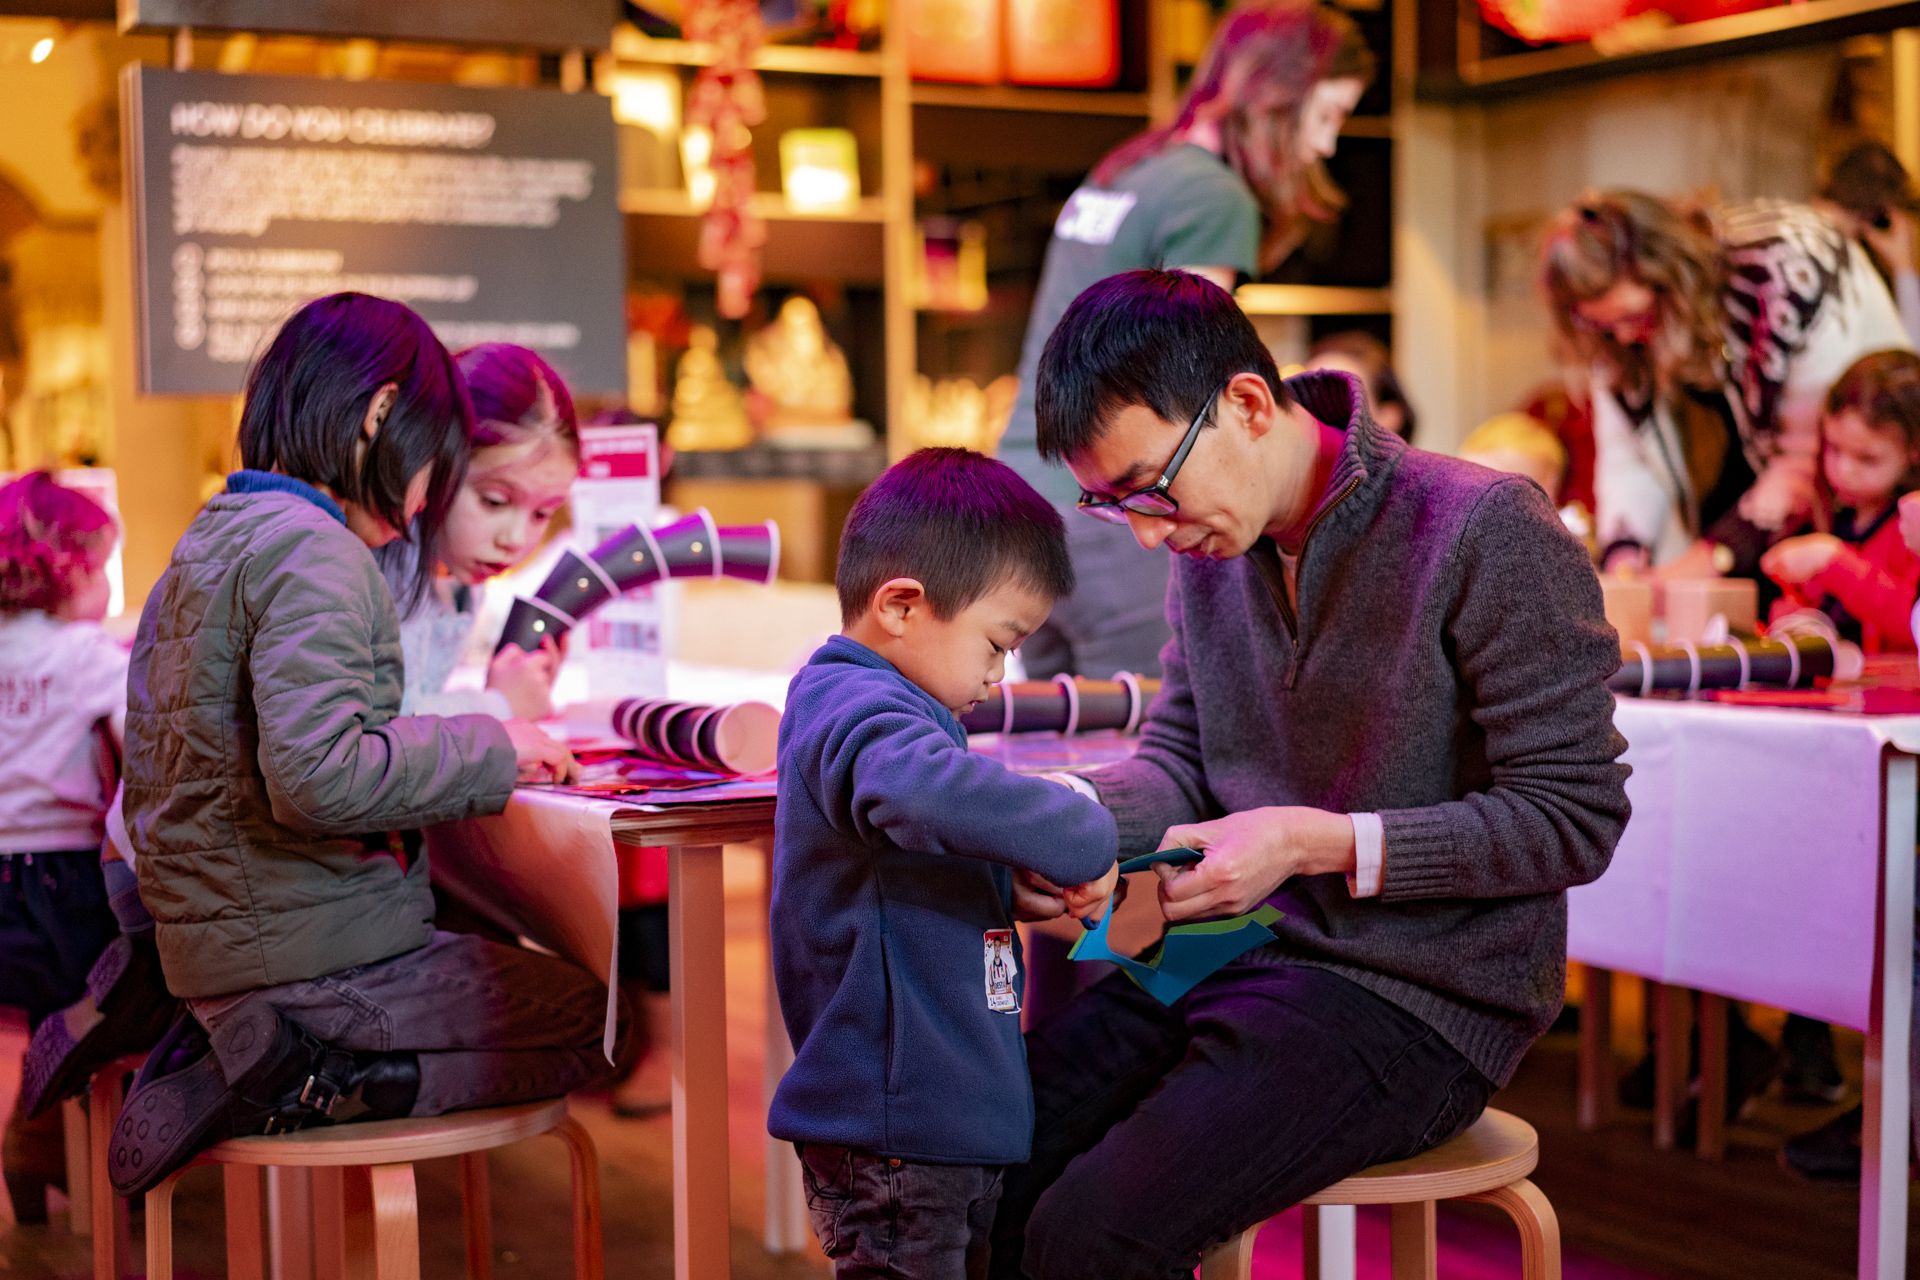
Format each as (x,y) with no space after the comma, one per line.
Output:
(63,708)
(526,454)
(894,850)
(271,788)
(1521,446)
(1861,574)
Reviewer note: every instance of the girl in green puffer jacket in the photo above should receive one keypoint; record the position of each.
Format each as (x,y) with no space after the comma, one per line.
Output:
(273,788)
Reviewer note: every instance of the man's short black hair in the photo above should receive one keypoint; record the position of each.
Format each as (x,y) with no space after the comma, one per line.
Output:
(957,522)
(1163,339)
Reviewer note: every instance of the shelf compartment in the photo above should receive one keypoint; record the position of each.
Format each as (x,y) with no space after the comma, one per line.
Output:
(770,205)
(1312,300)
(1007,97)
(630,45)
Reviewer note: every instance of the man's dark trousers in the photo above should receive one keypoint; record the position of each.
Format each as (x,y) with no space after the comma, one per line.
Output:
(1160,1131)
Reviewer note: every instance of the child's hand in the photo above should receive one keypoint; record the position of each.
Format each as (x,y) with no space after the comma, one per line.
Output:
(1783,493)
(526,678)
(1910,520)
(1087,901)
(1796,560)
(540,758)
(1036,898)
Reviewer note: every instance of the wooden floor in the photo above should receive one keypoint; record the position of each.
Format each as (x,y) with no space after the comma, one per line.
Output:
(1627,1211)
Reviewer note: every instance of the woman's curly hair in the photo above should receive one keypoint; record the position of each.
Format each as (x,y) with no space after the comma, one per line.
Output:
(1667,245)
(49,535)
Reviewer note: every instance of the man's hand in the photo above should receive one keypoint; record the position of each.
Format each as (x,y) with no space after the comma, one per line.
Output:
(1249,855)
(1084,901)
(1801,559)
(1910,521)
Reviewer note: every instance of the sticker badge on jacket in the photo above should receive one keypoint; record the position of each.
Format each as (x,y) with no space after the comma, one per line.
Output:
(1001,997)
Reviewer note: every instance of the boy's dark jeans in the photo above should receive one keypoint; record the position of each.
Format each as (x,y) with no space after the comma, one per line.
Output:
(492,1024)
(1160,1131)
(878,1217)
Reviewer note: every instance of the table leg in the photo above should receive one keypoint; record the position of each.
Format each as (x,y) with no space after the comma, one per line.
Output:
(1329,1241)
(1711,1143)
(1883,1134)
(789,1230)
(1672,1008)
(696,915)
(1596,1049)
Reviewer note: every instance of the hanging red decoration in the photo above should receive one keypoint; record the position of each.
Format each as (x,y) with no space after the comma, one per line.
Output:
(727,101)
(1545,21)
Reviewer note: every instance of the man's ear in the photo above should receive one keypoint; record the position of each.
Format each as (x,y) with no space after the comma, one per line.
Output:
(378,408)
(1253,400)
(895,601)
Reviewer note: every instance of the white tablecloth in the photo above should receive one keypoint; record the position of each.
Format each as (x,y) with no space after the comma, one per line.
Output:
(1750,867)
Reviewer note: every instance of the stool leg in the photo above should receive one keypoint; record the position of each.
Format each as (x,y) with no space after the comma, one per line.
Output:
(1415,1241)
(1596,1049)
(396,1222)
(476,1211)
(1539,1226)
(73,1126)
(111,1233)
(589,1256)
(1711,1137)
(343,1234)
(1329,1235)
(160,1229)
(1672,1009)
(246,1260)
(1232,1258)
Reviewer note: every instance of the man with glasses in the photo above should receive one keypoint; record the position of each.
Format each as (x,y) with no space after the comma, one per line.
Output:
(1384,713)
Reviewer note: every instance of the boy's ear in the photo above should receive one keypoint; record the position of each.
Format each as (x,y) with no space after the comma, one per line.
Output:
(378,408)
(895,601)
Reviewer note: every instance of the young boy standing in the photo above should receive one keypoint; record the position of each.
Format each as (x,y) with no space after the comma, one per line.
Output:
(894,850)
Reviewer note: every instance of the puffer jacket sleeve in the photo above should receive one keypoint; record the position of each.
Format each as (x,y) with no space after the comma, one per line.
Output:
(334,761)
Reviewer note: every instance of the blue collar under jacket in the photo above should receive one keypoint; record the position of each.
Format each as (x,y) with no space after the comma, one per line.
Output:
(900,975)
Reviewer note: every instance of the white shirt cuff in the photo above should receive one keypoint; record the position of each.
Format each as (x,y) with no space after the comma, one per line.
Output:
(1369,855)
(1074,782)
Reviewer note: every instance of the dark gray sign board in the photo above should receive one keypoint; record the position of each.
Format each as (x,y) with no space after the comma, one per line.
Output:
(492,212)
(534,24)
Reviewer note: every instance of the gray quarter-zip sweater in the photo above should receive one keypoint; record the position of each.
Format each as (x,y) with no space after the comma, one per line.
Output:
(1444,666)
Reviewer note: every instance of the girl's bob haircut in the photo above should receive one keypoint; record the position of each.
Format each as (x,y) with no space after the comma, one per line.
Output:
(308,395)
(49,535)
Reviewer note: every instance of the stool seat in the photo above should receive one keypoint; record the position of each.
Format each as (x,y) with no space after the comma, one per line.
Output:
(1488,1162)
(392,1141)
(1497,1149)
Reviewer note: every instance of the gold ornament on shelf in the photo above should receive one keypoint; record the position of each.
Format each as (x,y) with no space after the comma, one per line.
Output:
(799,374)
(955,412)
(707,409)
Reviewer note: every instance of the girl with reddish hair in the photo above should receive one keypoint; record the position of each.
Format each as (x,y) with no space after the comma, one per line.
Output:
(1224,191)
(63,711)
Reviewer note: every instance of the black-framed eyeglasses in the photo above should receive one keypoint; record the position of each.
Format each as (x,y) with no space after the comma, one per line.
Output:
(1154,500)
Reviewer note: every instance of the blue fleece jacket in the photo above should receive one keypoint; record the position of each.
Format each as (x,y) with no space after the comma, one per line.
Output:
(891,858)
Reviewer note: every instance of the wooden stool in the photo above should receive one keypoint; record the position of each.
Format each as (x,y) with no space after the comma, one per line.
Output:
(367,1219)
(1488,1163)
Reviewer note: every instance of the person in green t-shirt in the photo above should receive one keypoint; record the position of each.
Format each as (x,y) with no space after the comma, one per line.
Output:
(1224,191)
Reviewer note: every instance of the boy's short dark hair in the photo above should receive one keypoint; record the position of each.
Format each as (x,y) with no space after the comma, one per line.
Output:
(1163,339)
(960,524)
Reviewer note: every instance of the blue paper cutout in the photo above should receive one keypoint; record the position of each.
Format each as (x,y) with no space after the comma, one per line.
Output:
(1188,953)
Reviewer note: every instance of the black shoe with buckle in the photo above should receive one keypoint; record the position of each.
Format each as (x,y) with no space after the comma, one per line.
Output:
(265,1074)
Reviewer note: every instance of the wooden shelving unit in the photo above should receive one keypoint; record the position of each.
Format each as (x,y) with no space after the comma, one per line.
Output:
(891,209)
(1641,45)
